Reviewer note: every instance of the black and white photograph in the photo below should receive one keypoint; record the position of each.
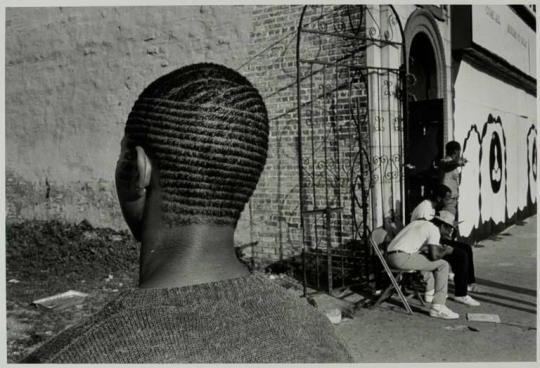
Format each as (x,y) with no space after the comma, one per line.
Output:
(270,183)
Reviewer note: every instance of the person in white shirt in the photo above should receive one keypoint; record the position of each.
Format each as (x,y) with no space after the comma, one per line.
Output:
(417,247)
(460,260)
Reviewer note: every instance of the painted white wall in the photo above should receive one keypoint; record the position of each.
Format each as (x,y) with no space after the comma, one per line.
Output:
(500,30)
(477,96)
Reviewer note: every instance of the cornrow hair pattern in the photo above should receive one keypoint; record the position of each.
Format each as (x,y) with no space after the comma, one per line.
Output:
(205,127)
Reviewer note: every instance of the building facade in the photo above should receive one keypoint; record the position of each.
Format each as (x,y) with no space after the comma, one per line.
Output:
(361,100)
(494,97)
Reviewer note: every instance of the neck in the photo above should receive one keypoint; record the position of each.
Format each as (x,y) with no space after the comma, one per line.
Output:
(188,255)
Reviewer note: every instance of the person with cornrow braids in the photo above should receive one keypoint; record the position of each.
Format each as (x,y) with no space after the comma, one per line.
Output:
(194,147)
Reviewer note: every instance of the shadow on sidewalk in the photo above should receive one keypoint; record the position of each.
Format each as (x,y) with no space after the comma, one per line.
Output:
(491,301)
(515,289)
(498,296)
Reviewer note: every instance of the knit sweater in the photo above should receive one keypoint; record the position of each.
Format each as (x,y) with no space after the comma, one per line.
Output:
(242,320)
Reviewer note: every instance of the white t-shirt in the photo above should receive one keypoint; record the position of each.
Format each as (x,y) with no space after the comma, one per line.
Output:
(424,211)
(415,235)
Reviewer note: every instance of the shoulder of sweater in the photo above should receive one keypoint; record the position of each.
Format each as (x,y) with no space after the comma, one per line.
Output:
(47,352)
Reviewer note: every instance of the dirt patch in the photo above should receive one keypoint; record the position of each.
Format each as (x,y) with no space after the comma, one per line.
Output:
(46,258)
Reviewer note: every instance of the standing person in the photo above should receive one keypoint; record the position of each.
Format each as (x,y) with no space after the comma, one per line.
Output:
(450,167)
(461,259)
(417,247)
(194,148)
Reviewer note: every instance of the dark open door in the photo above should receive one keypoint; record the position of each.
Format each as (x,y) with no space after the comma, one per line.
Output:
(423,148)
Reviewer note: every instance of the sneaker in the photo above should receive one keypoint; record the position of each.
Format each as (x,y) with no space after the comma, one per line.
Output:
(467,300)
(428,296)
(442,311)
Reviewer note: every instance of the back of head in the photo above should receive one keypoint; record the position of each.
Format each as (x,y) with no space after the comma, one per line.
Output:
(205,129)
(440,191)
(452,147)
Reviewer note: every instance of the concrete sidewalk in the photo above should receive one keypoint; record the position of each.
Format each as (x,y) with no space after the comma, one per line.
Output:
(506,280)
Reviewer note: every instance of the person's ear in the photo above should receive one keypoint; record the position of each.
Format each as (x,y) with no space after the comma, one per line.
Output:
(133,173)
(144,168)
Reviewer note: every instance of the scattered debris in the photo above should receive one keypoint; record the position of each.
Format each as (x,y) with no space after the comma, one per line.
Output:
(347,313)
(334,315)
(456,328)
(61,301)
(13,281)
(483,317)
(311,301)
(109,278)
(117,238)
(90,235)
(285,281)
(461,328)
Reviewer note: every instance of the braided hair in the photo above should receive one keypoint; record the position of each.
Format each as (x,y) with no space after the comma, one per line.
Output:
(205,127)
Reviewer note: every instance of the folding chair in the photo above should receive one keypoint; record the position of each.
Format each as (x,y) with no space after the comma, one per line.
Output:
(378,238)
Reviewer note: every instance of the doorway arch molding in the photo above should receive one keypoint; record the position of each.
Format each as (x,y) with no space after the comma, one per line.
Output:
(421,21)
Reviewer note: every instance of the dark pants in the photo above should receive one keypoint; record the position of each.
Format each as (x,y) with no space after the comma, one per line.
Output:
(461,261)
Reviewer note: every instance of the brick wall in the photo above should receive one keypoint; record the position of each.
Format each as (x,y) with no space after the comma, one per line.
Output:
(327,101)
(275,221)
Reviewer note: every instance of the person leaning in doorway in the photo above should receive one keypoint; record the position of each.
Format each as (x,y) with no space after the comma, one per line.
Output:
(450,171)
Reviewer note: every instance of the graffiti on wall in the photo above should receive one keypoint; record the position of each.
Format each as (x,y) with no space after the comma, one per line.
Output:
(491,194)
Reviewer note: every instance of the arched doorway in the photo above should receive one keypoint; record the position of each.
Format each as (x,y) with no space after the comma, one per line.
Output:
(425,124)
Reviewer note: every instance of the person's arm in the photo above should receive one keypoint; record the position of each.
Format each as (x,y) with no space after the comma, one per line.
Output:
(432,247)
(448,164)
(438,251)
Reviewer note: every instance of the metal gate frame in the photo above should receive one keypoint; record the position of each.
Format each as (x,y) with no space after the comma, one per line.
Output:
(357,252)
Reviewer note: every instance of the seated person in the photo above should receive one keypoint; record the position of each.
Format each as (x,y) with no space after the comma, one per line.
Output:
(461,260)
(417,247)
(194,148)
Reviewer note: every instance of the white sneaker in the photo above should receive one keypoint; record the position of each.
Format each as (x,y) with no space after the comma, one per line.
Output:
(442,311)
(428,296)
(467,300)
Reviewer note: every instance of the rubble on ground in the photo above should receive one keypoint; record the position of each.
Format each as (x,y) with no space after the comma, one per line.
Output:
(59,248)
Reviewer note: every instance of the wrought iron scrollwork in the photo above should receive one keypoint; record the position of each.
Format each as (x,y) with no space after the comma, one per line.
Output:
(341,130)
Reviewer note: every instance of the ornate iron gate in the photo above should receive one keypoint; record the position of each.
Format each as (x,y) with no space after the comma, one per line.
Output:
(351,109)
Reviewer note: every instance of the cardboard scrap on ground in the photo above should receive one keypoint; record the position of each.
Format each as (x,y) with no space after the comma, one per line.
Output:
(62,300)
(483,317)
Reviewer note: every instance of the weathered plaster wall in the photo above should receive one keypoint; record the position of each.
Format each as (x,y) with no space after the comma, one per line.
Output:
(496,125)
(72,75)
